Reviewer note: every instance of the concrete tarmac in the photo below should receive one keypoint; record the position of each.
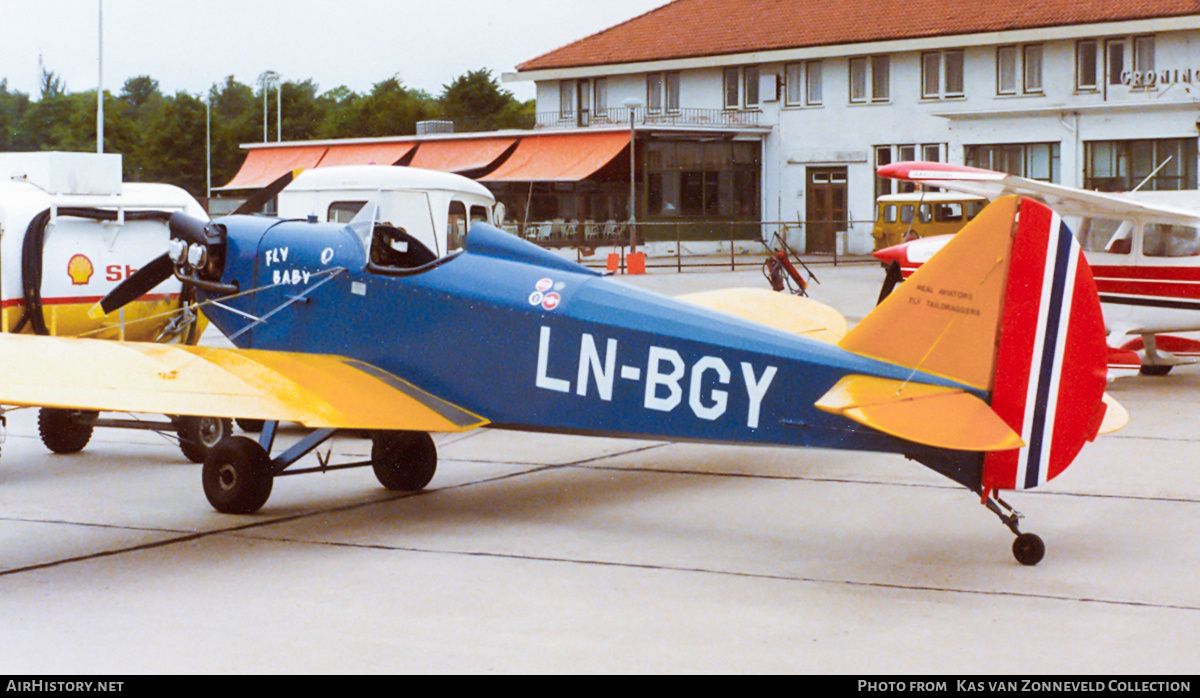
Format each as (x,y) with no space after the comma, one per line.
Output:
(543,553)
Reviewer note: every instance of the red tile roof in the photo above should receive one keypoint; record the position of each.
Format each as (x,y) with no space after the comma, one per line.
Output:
(693,28)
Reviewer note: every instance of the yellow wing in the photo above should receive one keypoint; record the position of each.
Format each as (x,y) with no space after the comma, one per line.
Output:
(783,311)
(315,390)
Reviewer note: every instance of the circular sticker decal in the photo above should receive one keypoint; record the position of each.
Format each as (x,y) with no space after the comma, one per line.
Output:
(551,301)
(545,284)
(535,298)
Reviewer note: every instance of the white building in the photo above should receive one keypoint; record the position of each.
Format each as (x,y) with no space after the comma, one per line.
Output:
(1079,92)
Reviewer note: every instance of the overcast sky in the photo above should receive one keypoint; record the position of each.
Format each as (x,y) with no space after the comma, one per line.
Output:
(191,45)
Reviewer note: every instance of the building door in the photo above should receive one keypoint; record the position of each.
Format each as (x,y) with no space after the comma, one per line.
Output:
(826,210)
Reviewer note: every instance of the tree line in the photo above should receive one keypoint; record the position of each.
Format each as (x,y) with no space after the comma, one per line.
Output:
(162,138)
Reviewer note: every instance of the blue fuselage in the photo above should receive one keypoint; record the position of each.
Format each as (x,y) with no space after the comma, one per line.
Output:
(530,341)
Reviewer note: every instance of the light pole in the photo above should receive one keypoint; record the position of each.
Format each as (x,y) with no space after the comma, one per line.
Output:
(632,104)
(208,150)
(266,79)
(100,83)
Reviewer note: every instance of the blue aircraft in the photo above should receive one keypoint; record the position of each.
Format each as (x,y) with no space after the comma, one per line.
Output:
(360,326)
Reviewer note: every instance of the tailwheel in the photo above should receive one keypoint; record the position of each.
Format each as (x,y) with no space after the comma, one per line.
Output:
(403,460)
(199,435)
(1029,549)
(65,431)
(237,476)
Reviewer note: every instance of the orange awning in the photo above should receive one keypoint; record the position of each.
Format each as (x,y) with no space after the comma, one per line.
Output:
(460,155)
(265,165)
(366,153)
(566,157)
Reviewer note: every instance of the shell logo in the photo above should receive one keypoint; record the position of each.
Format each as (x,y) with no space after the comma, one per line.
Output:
(80,269)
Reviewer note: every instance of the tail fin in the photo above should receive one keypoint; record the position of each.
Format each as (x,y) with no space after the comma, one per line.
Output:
(1008,307)
(1052,354)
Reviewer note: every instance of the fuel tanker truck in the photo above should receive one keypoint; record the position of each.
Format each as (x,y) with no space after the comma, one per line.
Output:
(70,231)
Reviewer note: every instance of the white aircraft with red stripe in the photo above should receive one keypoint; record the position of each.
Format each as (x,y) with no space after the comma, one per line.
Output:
(1143,249)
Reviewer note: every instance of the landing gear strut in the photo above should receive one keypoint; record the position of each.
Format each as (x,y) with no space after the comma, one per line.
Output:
(1028,548)
(239,472)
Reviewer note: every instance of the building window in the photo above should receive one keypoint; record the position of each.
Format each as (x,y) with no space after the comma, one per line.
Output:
(732,85)
(672,85)
(741,87)
(1143,60)
(1152,165)
(1032,55)
(942,74)
(883,156)
(566,99)
(870,79)
(1019,61)
(662,92)
(1006,70)
(803,84)
(1040,161)
(1114,60)
(1086,65)
(654,93)
(887,154)
(812,82)
(600,96)
(703,180)
(750,75)
(1137,70)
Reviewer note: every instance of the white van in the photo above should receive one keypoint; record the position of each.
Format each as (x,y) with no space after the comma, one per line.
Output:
(434,207)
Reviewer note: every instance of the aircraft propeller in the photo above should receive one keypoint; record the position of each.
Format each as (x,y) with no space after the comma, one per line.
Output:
(196,256)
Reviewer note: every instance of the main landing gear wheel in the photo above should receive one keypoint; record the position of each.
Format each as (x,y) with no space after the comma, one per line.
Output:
(404,461)
(1029,549)
(199,435)
(65,431)
(237,476)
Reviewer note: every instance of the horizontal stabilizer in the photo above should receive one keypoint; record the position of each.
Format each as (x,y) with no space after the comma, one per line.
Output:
(783,311)
(1115,416)
(318,391)
(933,415)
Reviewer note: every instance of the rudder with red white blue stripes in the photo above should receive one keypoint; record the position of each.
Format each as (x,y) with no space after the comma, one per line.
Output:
(1050,377)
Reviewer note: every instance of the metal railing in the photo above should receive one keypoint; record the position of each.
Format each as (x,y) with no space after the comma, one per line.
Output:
(619,116)
(689,244)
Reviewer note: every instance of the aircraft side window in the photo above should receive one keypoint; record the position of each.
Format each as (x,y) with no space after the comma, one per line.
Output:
(479,214)
(887,213)
(456,225)
(1103,234)
(906,214)
(926,213)
(974,207)
(1162,240)
(394,248)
